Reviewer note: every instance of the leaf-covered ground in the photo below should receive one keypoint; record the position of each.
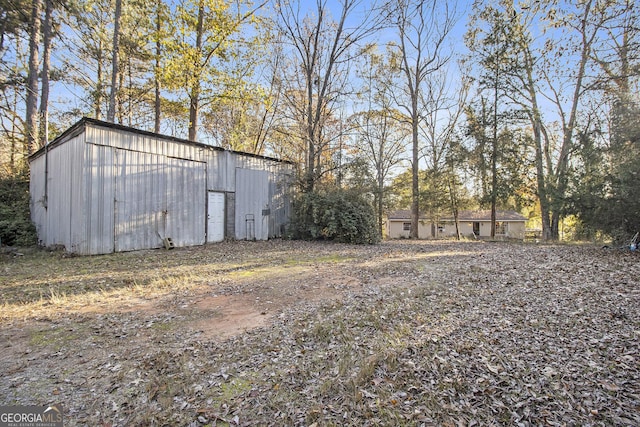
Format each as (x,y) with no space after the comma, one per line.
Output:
(295,333)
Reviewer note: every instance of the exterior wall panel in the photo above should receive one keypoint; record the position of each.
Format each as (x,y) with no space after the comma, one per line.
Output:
(139,201)
(252,204)
(99,191)
(37,201)
(185,211)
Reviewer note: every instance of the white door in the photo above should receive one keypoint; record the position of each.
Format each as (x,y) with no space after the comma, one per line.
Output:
(215,217)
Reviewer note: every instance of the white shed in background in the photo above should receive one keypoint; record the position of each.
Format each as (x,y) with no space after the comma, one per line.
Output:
(102,187)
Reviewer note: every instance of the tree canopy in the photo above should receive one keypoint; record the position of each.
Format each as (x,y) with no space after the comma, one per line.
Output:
(531,106)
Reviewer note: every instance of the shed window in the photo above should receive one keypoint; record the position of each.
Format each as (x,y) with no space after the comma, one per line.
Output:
(406,226)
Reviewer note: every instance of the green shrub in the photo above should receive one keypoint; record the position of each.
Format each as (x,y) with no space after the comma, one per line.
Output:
(16,227)
(339,215)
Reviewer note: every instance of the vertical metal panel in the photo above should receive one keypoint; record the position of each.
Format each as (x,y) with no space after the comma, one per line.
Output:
(186,204)
(37,197)
(217,171)
(139,201)
(64,211)
(230,170)
(230,205)
(252,201)
(99,193)
(58,199)
(279,201)
(78,220)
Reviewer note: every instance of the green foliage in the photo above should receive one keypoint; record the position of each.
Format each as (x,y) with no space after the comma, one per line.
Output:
(606,187)
(339,215)
(16,227)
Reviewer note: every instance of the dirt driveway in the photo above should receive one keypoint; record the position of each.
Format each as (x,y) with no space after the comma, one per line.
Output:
(187,336)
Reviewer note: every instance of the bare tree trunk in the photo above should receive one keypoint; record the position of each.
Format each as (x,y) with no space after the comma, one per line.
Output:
(99,86)
(423,28)
(380,203)
(46,60)
(568,126)
(115,66)
(157,104)
(194,105)
(415,188)
(31,121)
(494,153)
(453,197)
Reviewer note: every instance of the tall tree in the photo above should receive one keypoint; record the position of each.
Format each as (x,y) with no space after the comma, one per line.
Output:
(316,81)
(443,101)
(423,28)
(14,24)
(209,36)
(115,62)
(46,66)
(552,65)
(85,54)
(491,50)
(380,133)
(31,120)
(585,24)
(605,191)
(161,17)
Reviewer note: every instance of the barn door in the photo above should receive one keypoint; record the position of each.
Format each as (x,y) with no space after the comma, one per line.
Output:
(215,217)
(186,203)
(252,208)
(140,200)
(158,197)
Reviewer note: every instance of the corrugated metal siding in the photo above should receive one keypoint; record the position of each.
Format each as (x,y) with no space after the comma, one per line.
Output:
(134,141)
(252,198)
(279,199)
(36,192)
(64,213)
(99,191)
(158,197)
(186,202)
(217,165)
(140,198)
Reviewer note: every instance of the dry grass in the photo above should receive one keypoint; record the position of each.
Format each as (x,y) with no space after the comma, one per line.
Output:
(402,333)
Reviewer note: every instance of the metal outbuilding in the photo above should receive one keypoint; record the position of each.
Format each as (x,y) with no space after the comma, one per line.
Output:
(101,187)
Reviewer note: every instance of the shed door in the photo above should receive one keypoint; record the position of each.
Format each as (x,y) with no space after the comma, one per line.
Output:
(252,204)
(215,217)
(158,197)
(186,201)
(140,200)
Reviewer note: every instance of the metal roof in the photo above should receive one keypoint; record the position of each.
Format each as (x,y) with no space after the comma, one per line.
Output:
(80,125)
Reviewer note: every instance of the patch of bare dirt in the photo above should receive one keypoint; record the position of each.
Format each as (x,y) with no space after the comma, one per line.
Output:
(230,316)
